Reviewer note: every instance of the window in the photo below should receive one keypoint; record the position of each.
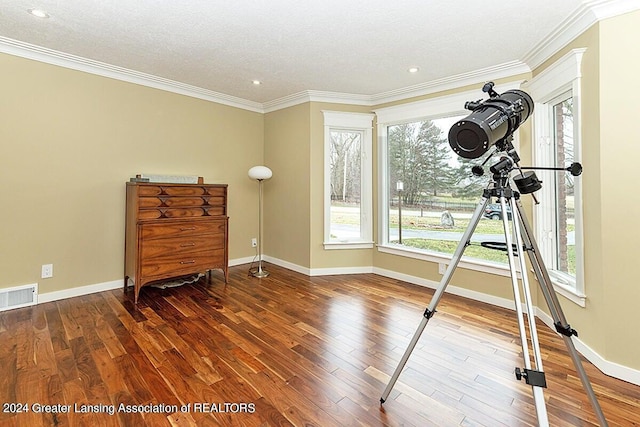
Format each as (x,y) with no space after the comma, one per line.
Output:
(348,175)
(558,217)
(427,192)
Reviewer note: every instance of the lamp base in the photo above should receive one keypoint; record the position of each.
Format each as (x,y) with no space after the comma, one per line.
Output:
(260,273)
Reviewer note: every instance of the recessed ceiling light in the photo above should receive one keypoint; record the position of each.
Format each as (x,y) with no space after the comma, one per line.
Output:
(256,82)
(413,69)
(39,13)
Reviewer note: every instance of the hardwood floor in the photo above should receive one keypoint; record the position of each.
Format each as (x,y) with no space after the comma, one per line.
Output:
(284,350)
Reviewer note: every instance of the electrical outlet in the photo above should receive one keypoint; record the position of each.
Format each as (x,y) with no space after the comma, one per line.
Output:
(47,271)
(442,267)
(254,242)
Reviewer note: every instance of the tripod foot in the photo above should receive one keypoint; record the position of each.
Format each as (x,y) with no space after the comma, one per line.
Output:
(382,400)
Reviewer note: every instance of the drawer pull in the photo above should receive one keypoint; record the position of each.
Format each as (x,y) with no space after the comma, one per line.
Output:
(186,245)
(187,228)
(188,262)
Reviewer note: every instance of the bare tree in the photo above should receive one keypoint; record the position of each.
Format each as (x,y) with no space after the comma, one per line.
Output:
(345,164)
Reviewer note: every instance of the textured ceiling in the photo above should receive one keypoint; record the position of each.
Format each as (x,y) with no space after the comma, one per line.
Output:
(350,46)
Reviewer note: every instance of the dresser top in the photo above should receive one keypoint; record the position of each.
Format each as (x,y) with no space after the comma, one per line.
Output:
(171,184)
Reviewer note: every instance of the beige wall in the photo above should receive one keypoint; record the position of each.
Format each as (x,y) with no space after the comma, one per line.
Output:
(619,154)
(70,140)
(321,258)
(287,194)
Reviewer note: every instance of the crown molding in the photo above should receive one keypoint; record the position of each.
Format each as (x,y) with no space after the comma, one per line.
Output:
(54,57)
(586,15)
(316,96)
(589,13)
(508,69)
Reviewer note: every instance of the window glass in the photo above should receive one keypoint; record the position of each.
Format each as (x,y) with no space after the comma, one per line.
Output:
(565,253)
(345,166)
(348,187)
(432,194)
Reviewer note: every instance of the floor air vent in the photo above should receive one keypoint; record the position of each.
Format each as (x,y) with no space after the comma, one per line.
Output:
(19,296)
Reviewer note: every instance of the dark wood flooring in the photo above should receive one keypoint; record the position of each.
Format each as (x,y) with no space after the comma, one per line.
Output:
(284,350)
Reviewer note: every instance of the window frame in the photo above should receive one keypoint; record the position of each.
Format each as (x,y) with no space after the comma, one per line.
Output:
(433,108)
(350,122)
(557,82)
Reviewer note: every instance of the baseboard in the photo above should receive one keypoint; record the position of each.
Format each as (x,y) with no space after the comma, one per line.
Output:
(80,291)
(609,368)
(240,261)
(288,265)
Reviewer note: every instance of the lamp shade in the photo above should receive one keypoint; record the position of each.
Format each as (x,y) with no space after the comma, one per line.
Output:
(260,173)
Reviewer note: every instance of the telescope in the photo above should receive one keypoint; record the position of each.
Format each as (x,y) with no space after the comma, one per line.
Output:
(491,121)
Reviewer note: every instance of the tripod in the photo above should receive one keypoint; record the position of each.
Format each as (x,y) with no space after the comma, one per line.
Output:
(524,242)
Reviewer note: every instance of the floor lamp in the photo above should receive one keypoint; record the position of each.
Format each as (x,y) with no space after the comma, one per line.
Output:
(260,173)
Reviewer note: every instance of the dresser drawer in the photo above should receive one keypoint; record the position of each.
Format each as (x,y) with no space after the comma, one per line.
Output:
(180,190)
(203,243)
(179,202)
(177,265)
(179,229)
(174,213)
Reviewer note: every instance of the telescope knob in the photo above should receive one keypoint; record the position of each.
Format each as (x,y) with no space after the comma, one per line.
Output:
(575,169)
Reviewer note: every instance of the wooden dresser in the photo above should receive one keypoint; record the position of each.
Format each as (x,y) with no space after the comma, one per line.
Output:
(174,230)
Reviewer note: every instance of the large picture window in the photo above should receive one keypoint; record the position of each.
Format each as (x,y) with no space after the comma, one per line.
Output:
(348,175)
(428,193)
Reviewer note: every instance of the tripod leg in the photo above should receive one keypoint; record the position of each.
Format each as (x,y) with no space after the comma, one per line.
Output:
(431,309)
(535,378)
(557,314)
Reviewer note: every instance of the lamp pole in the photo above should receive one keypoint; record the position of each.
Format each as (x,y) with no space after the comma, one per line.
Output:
(259,173)
(399,188)
(260,272)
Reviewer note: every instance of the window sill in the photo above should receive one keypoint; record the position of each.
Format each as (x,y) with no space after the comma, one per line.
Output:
(567,290)
(347,245)
(466,262)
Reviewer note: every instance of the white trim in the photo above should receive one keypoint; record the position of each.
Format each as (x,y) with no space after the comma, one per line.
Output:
(61,59)
(612,369)
(582,19)
(340,270)
(477,77)
(466,262)
(454,290)
(363,124)
(105,286)
(560,79)
(500,71)
(570,293)
(557,78)
(80,291)
(347,245)
(450,105)
(288,265)
(245,260)
(585,16)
